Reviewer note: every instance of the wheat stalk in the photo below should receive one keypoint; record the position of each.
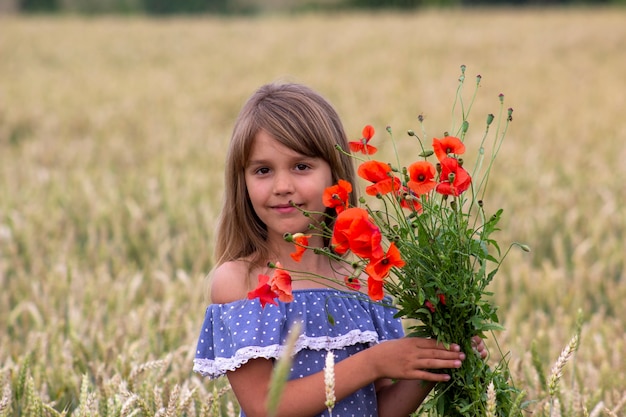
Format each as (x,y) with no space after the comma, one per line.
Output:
(557,370)
(329,381)
(491,401)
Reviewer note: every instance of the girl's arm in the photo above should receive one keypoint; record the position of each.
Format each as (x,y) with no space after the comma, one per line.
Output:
(403,397)
(404,358)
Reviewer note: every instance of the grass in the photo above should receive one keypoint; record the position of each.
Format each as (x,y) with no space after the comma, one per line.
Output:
(112,138)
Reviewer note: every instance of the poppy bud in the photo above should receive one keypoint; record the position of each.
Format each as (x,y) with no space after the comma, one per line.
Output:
(510,111)
(388,129)
(271,265)
(501,97)
(478,78)
(288,237)
(465,126)
(480,203)
(489,119)
(453,204)
(362,200)
(420,118)
(410,132)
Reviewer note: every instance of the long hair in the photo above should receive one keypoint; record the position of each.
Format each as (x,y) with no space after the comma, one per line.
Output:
(298,118)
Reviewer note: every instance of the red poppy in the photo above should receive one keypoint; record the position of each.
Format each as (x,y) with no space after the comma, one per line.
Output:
(430,306)
(362,145)
(446,146)
(375,289)
(379,268)
(355,231)
(422,177)
(442,298)
(301,241)
(337,196)
(281,284)
(380,174)
(461,180)
(352,282)
(263,292)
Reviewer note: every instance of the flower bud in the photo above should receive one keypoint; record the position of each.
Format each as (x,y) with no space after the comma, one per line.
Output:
(362,200)
(388,129)
(271,265)
(510,111)
(410,132)
(465,126)
(501,97)
(288,237)
(478,78)
(480,203)
(490,118)
(420,118)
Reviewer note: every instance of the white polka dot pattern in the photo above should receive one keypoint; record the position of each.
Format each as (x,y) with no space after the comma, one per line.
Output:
(236,332)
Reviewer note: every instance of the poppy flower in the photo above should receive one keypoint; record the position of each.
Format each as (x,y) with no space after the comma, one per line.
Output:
(263,292)
(379,269)
(362,145)
(337,196)
(422,177)
(453,179)
(442,298)
(446,146)
(355,231)
(301,241)
(380,174)
(430,306)
(352,282)
(375,289)
(281,284)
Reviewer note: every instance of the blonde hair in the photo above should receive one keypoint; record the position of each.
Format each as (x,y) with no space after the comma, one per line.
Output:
(300,119)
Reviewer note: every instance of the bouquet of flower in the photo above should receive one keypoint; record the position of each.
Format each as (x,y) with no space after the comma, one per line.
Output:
(426,240)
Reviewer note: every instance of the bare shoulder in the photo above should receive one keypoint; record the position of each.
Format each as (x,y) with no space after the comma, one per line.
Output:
(229,282)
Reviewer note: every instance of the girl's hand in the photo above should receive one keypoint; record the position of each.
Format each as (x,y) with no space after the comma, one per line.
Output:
(479,346)
(413,357)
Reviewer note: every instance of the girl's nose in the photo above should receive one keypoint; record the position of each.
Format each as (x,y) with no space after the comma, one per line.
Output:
(283,184)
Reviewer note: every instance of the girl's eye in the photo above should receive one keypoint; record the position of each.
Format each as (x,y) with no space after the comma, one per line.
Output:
(262,171)
(302,167)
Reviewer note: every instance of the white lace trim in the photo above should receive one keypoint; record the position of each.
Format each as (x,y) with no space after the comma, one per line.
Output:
(218,366)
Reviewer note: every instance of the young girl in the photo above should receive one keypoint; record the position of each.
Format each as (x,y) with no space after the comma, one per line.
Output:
(281,158)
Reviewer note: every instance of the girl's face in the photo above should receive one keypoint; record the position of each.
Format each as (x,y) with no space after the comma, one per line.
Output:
(277,176)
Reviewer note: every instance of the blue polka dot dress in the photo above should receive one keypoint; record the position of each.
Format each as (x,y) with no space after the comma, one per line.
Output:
(344,322)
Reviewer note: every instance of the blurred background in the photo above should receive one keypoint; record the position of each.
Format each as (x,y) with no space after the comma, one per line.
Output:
(164,7)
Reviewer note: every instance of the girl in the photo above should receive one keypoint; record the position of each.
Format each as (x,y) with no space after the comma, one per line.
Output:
(281,158)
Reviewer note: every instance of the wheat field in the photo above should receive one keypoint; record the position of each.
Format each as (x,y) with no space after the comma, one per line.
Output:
(112,138)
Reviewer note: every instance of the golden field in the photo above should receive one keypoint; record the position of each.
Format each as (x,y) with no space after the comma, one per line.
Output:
(112,139)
